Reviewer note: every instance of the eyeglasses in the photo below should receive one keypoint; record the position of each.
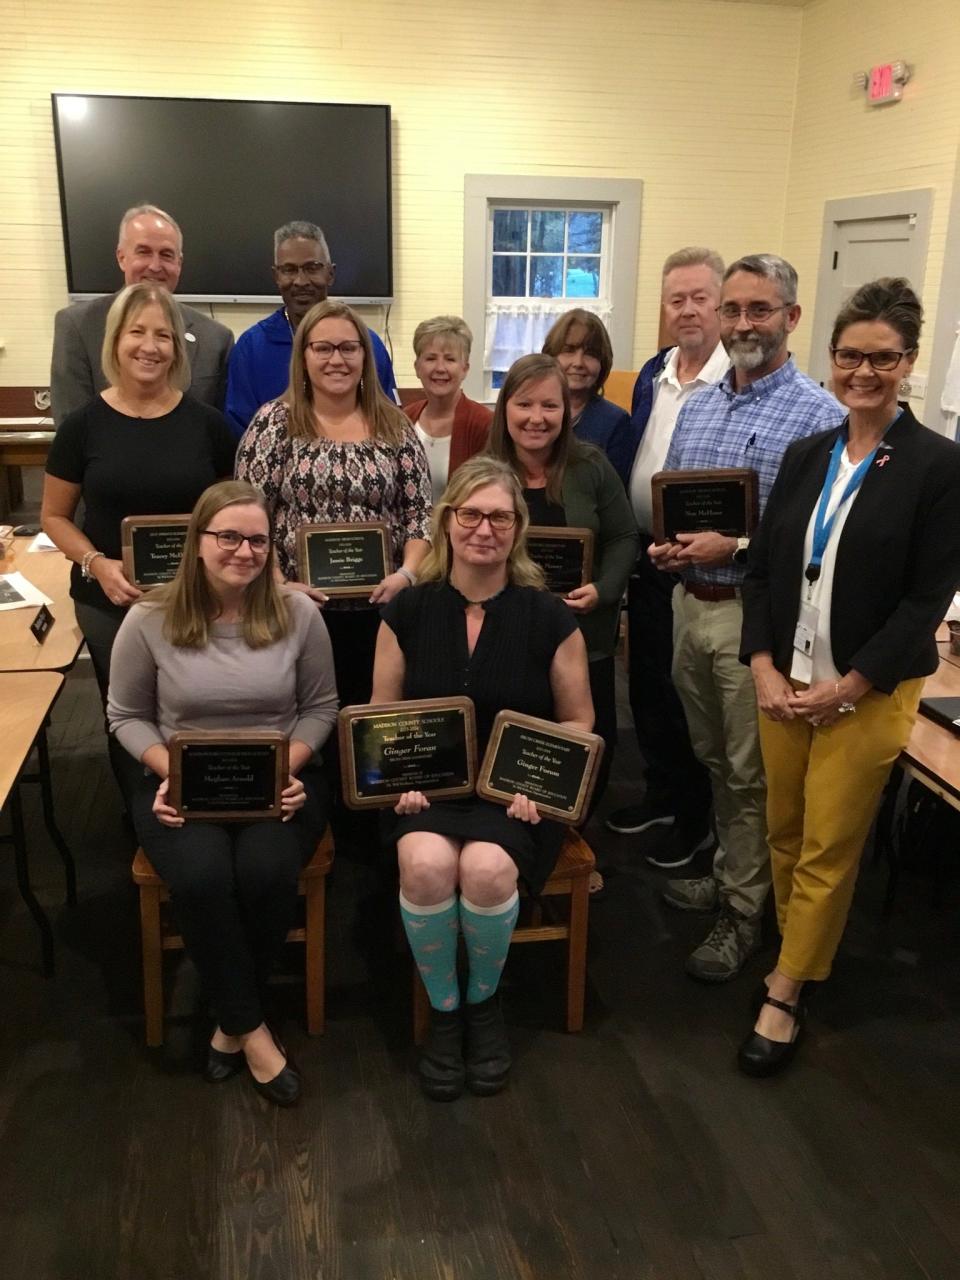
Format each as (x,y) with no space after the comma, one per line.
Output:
(851,358)
(471,518)
(324,350)
(757,312)
(230,540)
(290,270)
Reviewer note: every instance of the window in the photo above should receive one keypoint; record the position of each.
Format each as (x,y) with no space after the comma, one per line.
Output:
(535,248)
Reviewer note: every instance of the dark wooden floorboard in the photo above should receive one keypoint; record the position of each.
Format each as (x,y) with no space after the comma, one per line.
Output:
(633,1151)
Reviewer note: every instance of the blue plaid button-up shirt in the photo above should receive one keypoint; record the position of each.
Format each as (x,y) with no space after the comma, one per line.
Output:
(723,427)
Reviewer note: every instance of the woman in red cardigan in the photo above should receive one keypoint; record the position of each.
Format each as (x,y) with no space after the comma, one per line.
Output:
(451,427)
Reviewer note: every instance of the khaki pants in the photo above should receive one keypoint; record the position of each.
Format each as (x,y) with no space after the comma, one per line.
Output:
(718,697)
(824,785)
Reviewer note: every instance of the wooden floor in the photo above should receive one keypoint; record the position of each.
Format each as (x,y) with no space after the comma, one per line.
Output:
(631,1150)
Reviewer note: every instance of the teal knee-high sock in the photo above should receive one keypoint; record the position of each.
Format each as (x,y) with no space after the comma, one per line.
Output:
(432,934)
(487,932)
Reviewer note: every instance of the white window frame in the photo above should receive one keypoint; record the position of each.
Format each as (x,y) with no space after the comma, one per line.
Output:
(619,199)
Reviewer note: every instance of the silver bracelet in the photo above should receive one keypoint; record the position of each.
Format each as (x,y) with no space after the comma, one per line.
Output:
(86,562)
(845,708)
(410,576)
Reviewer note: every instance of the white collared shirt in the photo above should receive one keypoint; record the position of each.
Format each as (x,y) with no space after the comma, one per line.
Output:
(669,397)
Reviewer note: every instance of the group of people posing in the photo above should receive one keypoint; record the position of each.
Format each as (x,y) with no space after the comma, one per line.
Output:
(773,678)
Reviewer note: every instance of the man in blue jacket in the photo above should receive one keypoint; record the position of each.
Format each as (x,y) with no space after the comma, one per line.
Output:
(677,791)
(259,367)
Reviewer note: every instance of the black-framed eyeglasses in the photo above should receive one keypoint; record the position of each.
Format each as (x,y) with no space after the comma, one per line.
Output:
(757,312)
(851,358)
(290,270)
(231,540)
(324,350)
(471,518)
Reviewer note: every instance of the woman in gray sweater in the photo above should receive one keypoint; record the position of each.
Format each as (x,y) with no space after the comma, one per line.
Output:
(223,647)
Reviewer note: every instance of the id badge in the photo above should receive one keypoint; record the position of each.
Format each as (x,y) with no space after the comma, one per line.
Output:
(806,631)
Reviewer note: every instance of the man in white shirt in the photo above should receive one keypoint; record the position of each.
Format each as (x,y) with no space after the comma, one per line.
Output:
(677,785)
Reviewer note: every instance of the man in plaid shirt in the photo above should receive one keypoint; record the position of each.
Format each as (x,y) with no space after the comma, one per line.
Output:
(747,420)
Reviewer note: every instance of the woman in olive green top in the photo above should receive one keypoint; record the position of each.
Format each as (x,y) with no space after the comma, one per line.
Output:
(566,482)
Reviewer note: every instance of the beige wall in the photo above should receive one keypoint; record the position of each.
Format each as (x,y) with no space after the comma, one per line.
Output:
(696,98)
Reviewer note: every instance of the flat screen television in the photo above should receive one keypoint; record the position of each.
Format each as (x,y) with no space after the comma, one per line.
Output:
(230,172)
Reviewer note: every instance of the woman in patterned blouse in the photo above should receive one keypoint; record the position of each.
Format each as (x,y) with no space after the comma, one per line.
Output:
(331,450)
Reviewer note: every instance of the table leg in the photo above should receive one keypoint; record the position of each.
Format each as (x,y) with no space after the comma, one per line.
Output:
(46,794)
(18,838)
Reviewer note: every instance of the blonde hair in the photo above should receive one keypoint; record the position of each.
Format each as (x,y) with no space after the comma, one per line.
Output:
(694,256)
(451,329)
(124,309)
(476,473)
(384,420)
(565,448)
(190,602)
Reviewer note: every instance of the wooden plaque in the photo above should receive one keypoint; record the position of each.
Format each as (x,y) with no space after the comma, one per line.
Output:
(388,748)
(565,556)
(219,774)
(344,559)
(722,501)
(152,548)
(554,767)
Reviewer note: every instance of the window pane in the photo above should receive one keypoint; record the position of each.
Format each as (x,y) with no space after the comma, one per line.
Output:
(583,277)
(509,275)
(584,230)
(546,231)
(510,229)
(546,277)
(497,377)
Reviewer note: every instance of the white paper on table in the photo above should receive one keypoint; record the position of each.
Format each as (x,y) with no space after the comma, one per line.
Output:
(29,596)
(42,543)
(953,613)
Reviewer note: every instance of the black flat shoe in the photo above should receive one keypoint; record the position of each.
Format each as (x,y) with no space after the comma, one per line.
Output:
(759,1056)
(488,1049)
(222,1066)
(441,1068)
(284,1089)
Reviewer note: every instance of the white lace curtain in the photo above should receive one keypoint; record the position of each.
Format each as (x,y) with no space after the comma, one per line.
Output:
(517,328)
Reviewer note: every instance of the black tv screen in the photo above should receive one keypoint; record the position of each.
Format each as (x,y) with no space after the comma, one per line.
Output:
(230,172)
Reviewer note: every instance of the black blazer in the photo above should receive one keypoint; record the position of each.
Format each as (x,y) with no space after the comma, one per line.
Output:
(898,559)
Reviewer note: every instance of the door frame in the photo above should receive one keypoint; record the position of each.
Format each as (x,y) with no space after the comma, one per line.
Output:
(886,204)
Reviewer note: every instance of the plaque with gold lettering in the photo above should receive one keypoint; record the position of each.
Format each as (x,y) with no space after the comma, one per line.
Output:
(722,501)
(222,774)
(151,547)
(554,767)
(564,554)
(388,748)
(344,559)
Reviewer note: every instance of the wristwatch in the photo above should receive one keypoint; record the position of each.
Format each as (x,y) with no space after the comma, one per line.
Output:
(740,555)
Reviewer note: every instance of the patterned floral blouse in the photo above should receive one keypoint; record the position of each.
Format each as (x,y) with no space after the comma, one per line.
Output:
(324,481)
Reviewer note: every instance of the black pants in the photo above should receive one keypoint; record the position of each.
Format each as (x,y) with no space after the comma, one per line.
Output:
(603,692)
(676,780)
(100,627)
(353,637)
(233,887)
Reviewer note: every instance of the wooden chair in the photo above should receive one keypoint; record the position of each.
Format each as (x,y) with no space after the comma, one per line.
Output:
(618,388)
(570,878)
(158,935)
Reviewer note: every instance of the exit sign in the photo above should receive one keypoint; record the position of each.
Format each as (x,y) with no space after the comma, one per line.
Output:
(884,83)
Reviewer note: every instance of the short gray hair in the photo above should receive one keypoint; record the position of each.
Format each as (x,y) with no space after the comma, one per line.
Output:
(125,307)
(450,329)
(694,256)
(139,210)
(300,231)
(771,267)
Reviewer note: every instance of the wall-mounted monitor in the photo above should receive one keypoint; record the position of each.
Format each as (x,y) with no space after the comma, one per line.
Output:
(230,172)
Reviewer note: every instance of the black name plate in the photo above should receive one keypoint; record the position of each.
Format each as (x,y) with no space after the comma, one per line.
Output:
(219,775)
(344,559)
(556,768)
(388,748)
(40,626)
(152,548)
(565,556)
(723,501)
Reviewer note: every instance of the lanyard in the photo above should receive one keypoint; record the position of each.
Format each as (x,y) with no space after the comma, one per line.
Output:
(822,527)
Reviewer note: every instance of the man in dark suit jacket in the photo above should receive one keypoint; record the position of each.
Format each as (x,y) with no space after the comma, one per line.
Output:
(149,247)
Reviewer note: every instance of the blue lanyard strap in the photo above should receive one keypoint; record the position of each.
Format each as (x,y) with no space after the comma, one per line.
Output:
(822,527)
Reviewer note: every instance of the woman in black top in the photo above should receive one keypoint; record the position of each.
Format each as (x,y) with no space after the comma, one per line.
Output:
(140,447)
(479,624)
(852,567)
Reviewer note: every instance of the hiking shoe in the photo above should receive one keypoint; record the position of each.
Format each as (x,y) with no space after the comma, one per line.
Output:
(701,894)
(726,949)
(634,818)
(681,849)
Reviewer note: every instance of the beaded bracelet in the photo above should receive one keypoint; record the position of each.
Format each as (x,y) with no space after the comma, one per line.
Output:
(86,562)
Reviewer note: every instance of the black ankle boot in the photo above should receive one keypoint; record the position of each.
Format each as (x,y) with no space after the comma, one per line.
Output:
(441,1066)
(488,1049)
